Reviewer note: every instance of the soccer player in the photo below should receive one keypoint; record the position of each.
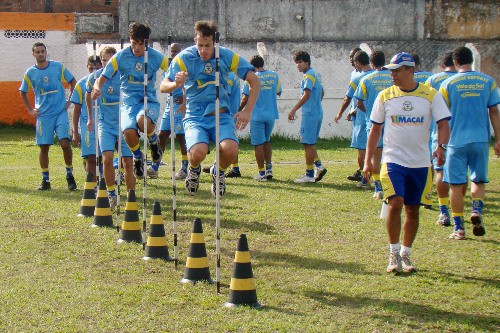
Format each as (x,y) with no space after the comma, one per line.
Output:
(406,109)
(194,68)
(129,65)
(80,119)
(312,117)
(358,141)
(108,120)
(264,116)
(46,78)
(420,75)
(179,111)
(473,100)
(442,188)
(366,93)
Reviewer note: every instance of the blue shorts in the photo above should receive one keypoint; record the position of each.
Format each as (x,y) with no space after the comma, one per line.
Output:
(309,129)
(87,141)
(260,131)
(202,129)
(130,114)
(414,185)
(108,138)
(47,126)
(165,122)
(380,143)
(359,136)
(472,157)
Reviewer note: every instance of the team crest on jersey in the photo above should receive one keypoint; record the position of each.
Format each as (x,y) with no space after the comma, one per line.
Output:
(407,106)
(110,90)
(46,79)
(138,67)
(209,68)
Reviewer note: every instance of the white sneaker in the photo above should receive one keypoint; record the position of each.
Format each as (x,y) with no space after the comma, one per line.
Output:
(222,182)
(406,264)
(152,173)
(379,195)
(261,178)
(304,179)
(269,174)
(395,264)
(112,202)
(181,174)
(319,173)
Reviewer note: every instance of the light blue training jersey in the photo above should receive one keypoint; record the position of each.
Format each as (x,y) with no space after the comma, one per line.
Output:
(266,107)
(435,81)
(234,92)
(130,69)
(421,76)
(200,82)
(353,85)
(469,95)
(47,84)
(369,87)
(109,102)
(78,97)
(311,80)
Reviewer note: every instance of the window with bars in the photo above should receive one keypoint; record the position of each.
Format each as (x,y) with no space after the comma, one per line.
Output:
(35,34)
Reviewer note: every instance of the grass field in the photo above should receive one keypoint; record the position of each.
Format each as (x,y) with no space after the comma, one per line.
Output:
(318,251)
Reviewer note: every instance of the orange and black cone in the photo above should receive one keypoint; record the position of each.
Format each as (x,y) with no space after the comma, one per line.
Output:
(102,212)
(131,227)
(156,245)
(87,205)
(197,261)
(242,288)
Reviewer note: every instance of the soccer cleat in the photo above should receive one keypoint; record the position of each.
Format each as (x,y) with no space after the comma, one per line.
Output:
(319,173)
(406,264)
(222,182)
(152,173)
(379,195)
(181,174)
(443,220)
(138,169)
(71,182)
(44,186)
(113,199)
(395,264)
(206,169)
(192,181)
(260,178)
(233,174)
(355,177)
(304,179)
(269,174)
(363,184)
(458,234)
(477,221)
(156,152)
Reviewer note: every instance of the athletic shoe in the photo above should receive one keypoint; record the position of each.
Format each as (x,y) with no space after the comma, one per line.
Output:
(394,265)
(269,174)
(138,169)
(363,184)
(233,174)
(181,174)
(192,181)
(319,173)
(406,264)
(477,220)
(206,169)
(443,220)
(379,195)
(112,202)
(355,177)
(260,178)
(222,182)
(458,234)
(71,182)
(44,186)
(304,179)
(156,152)
(152,173)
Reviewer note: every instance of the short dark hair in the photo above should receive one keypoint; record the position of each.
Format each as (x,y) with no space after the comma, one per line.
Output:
(302,55)
(377,58)
(447,59)
(36,45)
(353,52)
(205,28)
(362,57)
(463,55)
(416,59)
(139,31)
(90,60)
(257,61)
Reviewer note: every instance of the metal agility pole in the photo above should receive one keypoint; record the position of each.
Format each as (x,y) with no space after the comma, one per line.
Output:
(96,108)
(145,154)
(172,154)
(119,182)
(217,161)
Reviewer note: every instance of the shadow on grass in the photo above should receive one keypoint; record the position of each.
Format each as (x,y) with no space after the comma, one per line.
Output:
(472,279)
(417,313)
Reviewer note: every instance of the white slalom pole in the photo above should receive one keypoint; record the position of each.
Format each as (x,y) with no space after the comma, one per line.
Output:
(96,108)
(145,153)
(217,161)
(119,182)
(172,154)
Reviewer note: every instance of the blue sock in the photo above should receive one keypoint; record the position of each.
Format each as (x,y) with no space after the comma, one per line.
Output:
(236,168)
(477,205)
(262,173)
(269,165)
(317,163)
(444,210)
(155,166)
(184,165)
(112,193)
(458,222)
(153,139)
(310,173)
(45,175)
(378,185)
(69,171)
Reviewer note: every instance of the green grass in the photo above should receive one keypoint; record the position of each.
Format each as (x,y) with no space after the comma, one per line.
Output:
(318,254)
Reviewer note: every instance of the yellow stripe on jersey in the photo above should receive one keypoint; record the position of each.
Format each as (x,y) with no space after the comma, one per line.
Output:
(27,79)
(114,63)
(310,77)
(78,90)
(444,92)
(63,79)
(363,89)
(493,86)
(278,86)
(181,64)
(353,86)
(423,91)
(234,63)
(164,64)
(201,84)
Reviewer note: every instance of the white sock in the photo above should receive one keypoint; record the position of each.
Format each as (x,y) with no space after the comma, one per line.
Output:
(405,250)
(394,247)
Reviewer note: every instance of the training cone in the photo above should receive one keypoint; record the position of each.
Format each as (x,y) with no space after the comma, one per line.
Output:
(242,288)
(156,244)
(102,212)
(197,261)
(131,227)
(87,205)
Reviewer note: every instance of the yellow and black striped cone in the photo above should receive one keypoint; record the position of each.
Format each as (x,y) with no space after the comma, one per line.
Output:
(156,244)
(87,205)
(102,212)
(242,288)
(197,261)
(131,227)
